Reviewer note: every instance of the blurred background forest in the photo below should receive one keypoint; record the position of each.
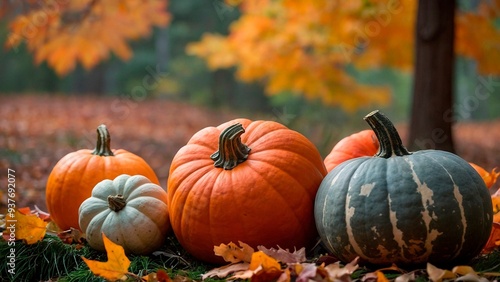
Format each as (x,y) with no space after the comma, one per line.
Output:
(46,115)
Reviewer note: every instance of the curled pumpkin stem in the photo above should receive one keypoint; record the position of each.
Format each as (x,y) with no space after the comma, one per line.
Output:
(387,135)
(116,203)
(231,150)
(103,146)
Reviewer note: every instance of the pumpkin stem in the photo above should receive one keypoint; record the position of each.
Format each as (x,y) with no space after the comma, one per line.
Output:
(103,147)
(387,135)
(116,203)
(231,150)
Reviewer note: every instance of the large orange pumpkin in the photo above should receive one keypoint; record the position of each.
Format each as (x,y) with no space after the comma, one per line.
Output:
(75,175)
(248,181)
(360,144)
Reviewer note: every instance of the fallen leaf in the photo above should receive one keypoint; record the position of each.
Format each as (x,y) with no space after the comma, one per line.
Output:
(233,253)
(407,277)
(437,274)
(494,240)
(265,275)
(226,270)
(261,259)
(489,178)
(306,272)
(381,277)
(71,236)
(29,228)
(336,271)
(495,201)
(285,256)
(117,265)
(158,276)
(463,270)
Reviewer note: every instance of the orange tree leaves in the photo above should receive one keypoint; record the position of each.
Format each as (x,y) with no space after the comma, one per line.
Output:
(296,46)
(308,47)
(117,265)
(85,31)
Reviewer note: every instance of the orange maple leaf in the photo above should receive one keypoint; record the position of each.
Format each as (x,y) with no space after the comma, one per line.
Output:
(27,227)
(233,253)
(117,265)
(489,178)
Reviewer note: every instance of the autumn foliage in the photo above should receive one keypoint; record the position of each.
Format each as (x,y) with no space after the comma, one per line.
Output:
(309,47)
(65,33)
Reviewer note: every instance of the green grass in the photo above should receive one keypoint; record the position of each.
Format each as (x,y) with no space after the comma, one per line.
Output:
(51,259)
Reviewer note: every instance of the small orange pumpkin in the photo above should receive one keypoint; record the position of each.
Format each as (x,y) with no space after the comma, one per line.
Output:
(75,175)
(248,181)
(360,144)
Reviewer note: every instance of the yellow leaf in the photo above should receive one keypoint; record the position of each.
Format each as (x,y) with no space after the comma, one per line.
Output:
(437,274)
(117,265)
(29,228)
(233,253)
(463,270)
(261,259)
(381,277)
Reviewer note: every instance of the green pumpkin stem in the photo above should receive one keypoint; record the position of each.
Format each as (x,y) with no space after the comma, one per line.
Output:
(387,135)
(103,146)
(231,150)
(116,203)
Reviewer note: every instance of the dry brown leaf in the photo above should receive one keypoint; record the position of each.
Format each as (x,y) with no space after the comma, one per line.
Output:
(232,253)
(407,277)
(285,256)
(226,270)
(306,272)
(336,271)
(437,274)
(71,236)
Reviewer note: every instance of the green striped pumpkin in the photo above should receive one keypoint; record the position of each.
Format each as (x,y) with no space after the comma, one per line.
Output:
(403,207)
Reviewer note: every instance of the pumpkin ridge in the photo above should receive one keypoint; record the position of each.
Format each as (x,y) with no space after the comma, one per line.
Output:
(268,127)
(428,216)
(199,184)
(456,190)
(294,211)
(486,202)
(294,177)
(149,216)
(351,212)
(68,179)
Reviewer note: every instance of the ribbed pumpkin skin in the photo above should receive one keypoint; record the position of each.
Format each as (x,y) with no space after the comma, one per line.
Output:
(266,200)
(359,144)
(428,206)
(74,176)
(140,227)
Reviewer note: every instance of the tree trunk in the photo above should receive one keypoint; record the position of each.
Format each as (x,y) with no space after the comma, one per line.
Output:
(432,108)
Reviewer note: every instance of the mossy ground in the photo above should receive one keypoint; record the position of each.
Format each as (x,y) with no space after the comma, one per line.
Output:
(53,260)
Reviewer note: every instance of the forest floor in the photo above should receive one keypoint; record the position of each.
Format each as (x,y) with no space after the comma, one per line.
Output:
(38,130)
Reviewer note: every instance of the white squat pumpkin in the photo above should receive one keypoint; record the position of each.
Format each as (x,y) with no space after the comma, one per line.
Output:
(132,212)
